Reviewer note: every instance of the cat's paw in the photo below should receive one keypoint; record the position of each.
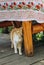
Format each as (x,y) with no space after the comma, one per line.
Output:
(20,53)
(15,52)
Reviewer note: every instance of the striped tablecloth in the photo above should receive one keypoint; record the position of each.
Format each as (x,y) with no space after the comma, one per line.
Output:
(22,10)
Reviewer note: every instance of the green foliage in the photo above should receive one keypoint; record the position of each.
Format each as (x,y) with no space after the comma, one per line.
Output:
(38,36)
(9,29)
(1,30)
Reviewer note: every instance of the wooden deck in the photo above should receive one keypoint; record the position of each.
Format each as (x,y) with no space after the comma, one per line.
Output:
(7,56)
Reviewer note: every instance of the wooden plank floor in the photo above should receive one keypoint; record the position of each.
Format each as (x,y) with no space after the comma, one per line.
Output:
(7,56)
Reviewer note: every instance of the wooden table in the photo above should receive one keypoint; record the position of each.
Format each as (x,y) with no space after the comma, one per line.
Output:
(9,11)
(28,30)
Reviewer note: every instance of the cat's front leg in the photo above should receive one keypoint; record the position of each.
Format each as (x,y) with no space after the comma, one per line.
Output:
(20,52)
(15,48)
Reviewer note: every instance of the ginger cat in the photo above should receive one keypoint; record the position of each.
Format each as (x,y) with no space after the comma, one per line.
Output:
(16,39)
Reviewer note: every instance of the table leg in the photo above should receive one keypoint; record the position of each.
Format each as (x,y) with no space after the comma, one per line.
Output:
(28,43)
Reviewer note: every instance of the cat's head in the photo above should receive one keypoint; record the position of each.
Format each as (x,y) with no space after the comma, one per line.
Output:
(19,31)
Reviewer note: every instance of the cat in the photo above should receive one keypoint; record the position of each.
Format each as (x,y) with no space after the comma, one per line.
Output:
(16,39)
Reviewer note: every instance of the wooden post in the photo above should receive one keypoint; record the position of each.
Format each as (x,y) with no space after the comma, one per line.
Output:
(28,43)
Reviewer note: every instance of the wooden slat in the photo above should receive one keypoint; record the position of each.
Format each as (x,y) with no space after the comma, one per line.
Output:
(37,28)
(5,24)
(10,23)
